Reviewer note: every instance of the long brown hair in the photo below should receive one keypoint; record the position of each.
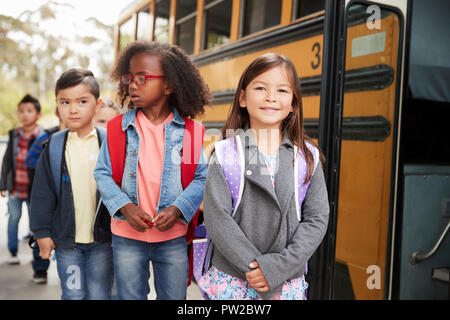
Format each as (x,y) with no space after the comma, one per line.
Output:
(292,125)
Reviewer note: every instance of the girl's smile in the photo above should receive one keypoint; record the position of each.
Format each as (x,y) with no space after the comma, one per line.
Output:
(269,109)
(268,99)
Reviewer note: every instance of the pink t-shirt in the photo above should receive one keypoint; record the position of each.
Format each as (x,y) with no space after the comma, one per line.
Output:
(150,166)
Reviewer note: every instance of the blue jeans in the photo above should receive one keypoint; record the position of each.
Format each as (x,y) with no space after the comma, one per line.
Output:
(86,271)
(15,213)
(132,270)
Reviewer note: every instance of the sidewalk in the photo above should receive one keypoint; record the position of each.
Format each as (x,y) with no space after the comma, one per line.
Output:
(16,281)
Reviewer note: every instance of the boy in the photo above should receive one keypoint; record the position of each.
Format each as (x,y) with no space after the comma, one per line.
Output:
(15,175)
(64,196)
(39,265)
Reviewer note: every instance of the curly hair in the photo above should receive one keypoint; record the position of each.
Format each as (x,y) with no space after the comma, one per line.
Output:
(190,93)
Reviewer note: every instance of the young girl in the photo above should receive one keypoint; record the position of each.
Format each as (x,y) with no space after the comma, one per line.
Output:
(162,87)
(261,249)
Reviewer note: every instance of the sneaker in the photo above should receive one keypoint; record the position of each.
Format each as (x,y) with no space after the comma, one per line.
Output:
(13,259)
(40,277)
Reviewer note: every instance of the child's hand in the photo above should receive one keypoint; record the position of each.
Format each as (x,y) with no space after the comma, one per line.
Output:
(136,217)
(256,278)
(3,193)
(46,245)
(165,219)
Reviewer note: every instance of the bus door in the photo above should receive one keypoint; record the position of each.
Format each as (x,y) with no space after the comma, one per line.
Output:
(361,145)
(421,256)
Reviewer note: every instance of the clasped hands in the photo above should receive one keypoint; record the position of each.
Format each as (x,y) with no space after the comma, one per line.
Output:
(140,220)
(256,278)
(165,219)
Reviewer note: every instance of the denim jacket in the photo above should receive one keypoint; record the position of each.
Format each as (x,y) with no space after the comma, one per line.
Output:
(171,191)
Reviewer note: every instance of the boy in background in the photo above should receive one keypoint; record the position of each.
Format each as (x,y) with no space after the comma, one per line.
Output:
(40,265)
(14,177)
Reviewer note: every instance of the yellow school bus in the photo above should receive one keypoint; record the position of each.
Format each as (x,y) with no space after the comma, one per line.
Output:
(367,85)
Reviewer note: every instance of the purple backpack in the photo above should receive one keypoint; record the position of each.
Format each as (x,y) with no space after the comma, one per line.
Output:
(230,156)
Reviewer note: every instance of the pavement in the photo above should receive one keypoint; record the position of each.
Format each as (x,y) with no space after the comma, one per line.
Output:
(16,280)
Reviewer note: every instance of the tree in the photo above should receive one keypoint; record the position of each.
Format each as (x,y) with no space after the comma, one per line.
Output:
(32,57)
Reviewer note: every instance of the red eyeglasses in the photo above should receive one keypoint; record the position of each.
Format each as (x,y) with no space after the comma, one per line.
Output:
(138,79)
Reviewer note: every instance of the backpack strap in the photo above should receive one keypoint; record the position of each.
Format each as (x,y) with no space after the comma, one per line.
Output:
(117,140)
(300,169)
(55,149)
(190,156)
(101,134)
(230,156)
(191,151)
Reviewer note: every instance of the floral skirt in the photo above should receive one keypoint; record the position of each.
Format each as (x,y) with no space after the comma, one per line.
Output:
(221,286)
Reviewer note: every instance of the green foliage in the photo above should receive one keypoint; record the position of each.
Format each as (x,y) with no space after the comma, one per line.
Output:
(31,59)
(10,95)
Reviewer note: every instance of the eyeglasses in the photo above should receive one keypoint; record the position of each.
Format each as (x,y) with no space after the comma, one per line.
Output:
(138,79)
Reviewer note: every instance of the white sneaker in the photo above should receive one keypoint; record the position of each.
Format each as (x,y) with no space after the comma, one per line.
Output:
(13,260)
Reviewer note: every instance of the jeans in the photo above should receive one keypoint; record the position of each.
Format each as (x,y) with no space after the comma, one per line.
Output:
(15,213)
(86,271)
(131,266)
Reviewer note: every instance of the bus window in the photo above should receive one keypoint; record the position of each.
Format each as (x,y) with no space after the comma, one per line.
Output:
(217,23)
(143,27)
(259,15)
(162,14)
(302,8)
(186,13)
(126,32)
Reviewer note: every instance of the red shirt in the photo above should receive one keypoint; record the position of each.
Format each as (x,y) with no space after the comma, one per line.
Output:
(21,180)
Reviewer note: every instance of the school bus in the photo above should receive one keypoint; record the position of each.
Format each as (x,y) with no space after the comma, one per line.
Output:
(375,86)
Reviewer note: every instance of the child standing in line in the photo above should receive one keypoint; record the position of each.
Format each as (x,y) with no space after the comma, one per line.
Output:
(107,111)
(15,174)
(64,196)
(40,265)
(261,249)
(163,88)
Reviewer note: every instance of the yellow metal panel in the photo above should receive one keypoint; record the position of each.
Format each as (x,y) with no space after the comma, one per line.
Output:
(152,18)
(225,74)
(235,13)
(215,113)
(198,27)
(286,12)
(173,7)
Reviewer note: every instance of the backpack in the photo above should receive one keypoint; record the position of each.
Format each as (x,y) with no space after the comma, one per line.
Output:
(56,148)
(230,155)
(116,139)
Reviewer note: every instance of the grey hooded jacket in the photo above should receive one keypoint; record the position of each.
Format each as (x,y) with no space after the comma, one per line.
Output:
(265,226)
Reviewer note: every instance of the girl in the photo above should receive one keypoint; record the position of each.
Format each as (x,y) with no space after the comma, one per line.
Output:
(261,249)
(162,87)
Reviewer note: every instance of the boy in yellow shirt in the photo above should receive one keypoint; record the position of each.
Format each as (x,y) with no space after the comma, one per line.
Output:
(64,197)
